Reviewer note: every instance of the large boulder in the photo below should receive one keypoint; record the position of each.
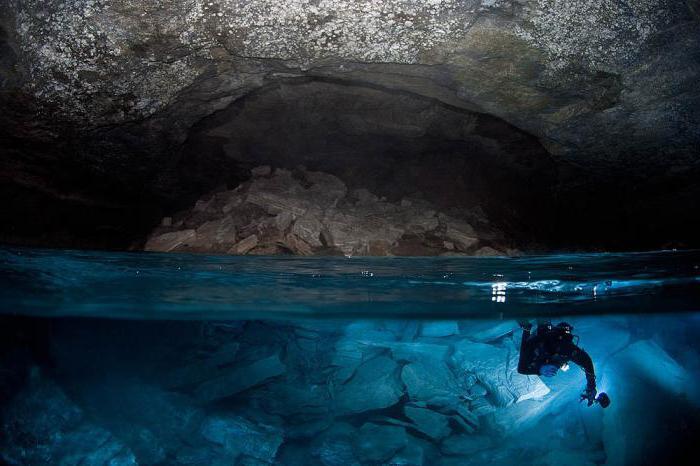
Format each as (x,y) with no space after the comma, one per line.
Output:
(495,368)
(426,382)
(336,446)
(374,385)
(167,242)
(42,426)
(378,443)
(241,437)
(240,378)
(428,422)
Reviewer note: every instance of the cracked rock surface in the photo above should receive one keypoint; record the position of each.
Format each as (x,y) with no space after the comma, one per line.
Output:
(338,393)
(99,97)
(306,213)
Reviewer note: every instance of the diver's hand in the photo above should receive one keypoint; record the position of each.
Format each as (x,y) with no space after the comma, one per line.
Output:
(589,395)
(548,370)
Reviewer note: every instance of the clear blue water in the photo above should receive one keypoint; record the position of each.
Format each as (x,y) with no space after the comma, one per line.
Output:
(168,359)
(185,286)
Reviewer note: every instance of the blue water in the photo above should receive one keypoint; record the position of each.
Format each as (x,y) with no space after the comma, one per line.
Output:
(171,359)
(184,286)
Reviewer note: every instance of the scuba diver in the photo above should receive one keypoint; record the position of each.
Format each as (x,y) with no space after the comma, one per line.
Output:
(550,349)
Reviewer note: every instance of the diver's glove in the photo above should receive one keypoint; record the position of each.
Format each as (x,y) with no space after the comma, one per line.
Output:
(589,394)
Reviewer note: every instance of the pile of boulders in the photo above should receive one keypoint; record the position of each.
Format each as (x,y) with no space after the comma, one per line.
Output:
(304,212)
(328,393)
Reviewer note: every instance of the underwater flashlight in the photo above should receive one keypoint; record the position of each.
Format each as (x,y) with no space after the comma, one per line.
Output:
(603,400)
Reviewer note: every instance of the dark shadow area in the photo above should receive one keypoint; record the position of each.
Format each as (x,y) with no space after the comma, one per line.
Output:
(394,144)
(110,187)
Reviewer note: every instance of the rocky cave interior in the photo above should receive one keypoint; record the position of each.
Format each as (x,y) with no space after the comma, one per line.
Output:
(395,143)
(404,127)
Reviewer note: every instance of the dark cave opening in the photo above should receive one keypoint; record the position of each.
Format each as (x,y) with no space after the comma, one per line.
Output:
(108,188)
(394,144)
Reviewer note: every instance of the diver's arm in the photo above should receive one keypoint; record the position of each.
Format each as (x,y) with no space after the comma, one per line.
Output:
(583,360)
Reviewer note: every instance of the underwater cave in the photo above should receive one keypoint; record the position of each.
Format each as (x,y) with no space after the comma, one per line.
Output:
(332,232)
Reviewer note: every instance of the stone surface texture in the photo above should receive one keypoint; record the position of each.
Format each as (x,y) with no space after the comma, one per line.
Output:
(304,212)
(340,393)
(118,61)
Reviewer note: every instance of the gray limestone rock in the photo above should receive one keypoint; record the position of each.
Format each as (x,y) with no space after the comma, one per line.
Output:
(245,245)
(167,242)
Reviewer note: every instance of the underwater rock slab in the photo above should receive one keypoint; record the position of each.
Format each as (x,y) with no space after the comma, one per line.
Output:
(487,332)
(412,455)
(296,402)
(465,444)
(428,422)
(427,382)
(375,385)
(378,443)
(241,378)
(496,369)
(238,436)
(439,329)
(336,446)
(201,371)
(42,426)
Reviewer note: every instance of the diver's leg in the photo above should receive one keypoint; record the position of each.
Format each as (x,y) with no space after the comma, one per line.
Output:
(525,352)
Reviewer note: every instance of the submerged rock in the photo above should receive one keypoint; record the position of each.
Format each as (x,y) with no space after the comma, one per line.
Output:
(42,426)
(465,445)
(426,382)
(439,329)
(374,385)
(240,378)
(337,446)
(496,369)
(428,422)
(378,443)
(240,437)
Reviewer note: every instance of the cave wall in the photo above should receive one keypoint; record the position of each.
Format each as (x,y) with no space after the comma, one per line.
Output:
(114,88)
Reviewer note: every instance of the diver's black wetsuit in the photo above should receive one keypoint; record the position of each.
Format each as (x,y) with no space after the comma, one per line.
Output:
(553,347)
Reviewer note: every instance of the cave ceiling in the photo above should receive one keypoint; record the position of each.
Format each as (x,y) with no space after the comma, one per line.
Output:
(600,83)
